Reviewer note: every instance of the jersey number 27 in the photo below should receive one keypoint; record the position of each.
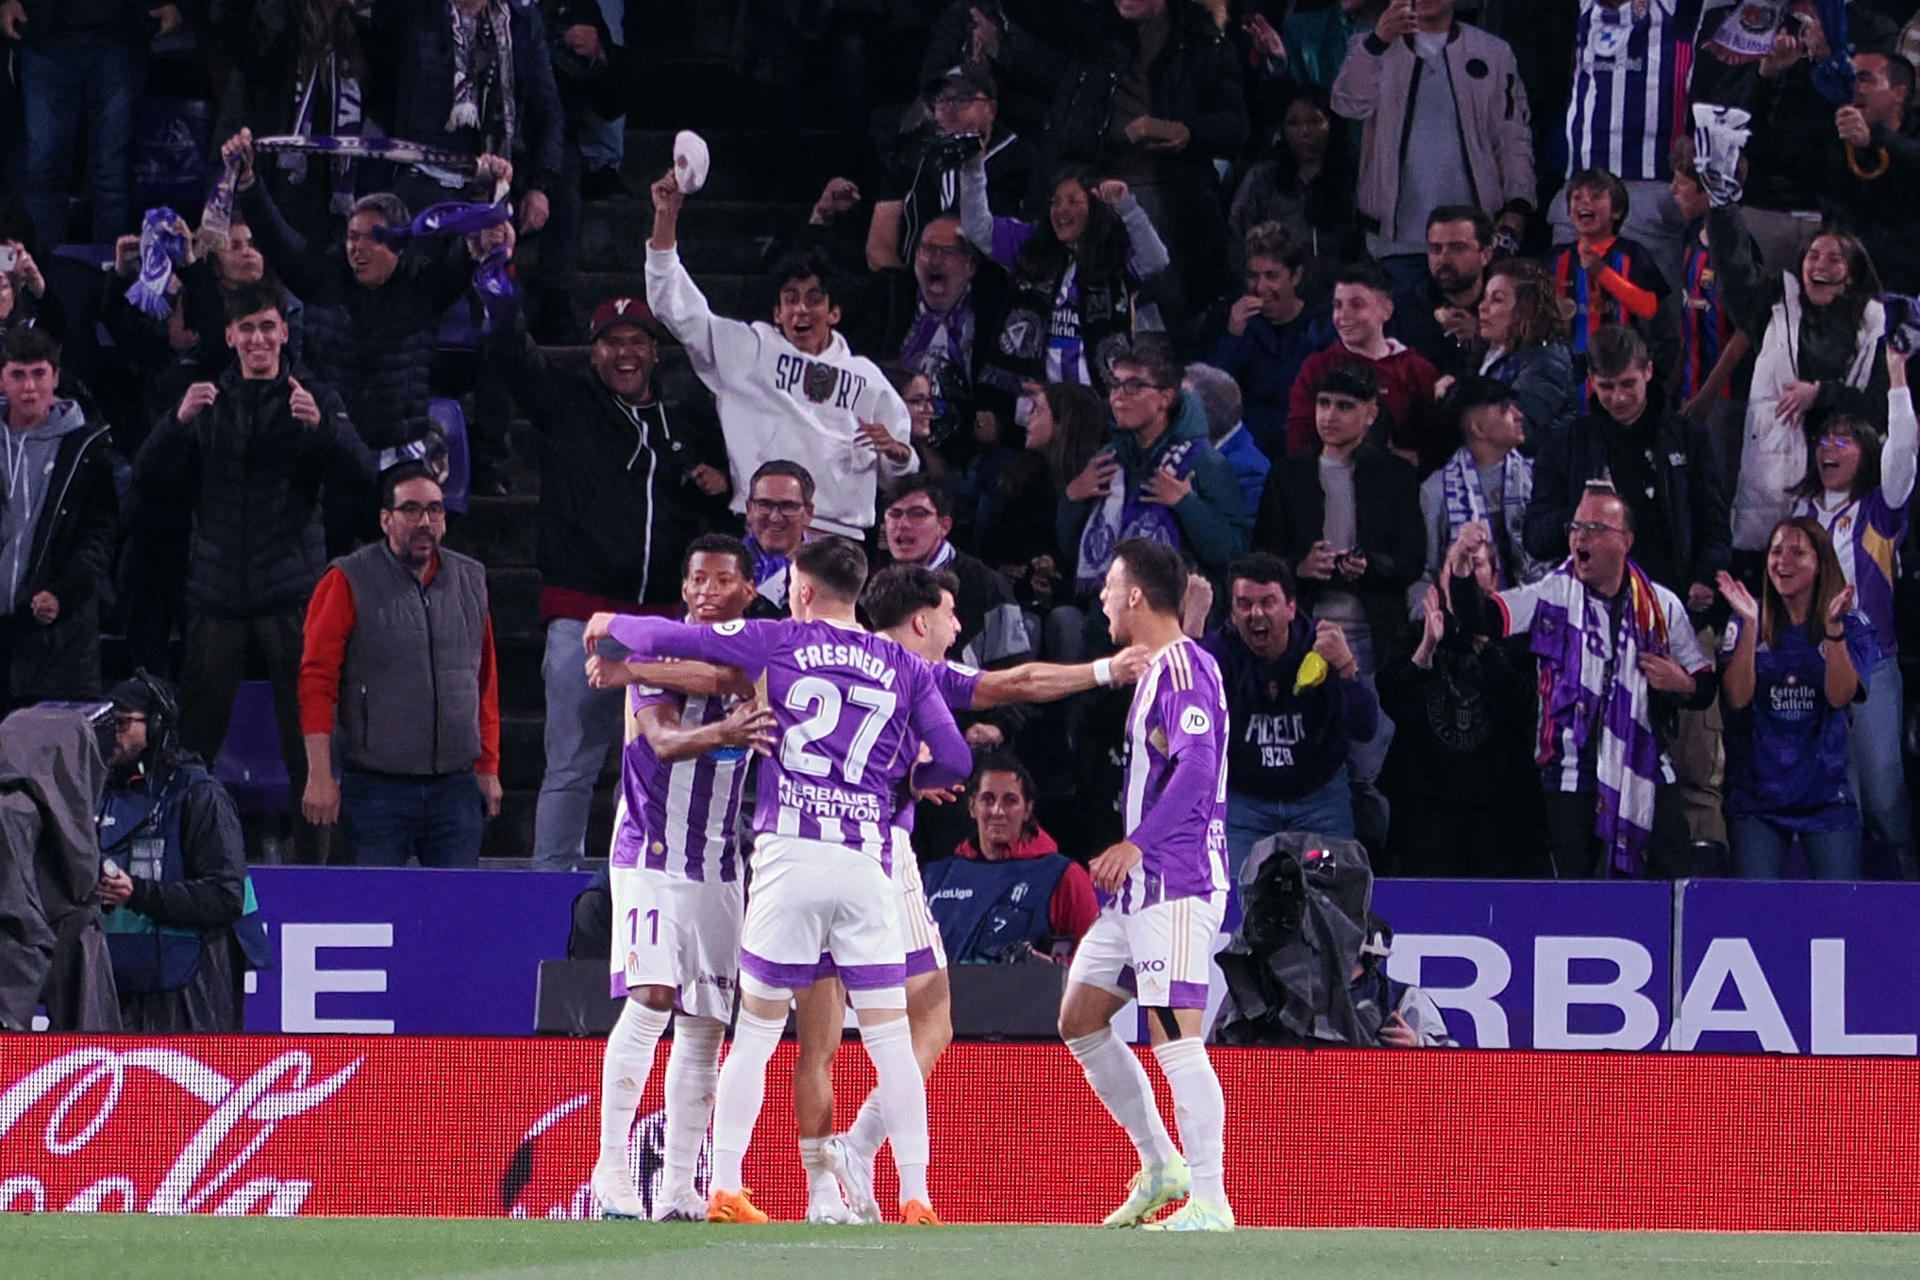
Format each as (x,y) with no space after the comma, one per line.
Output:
(822,703)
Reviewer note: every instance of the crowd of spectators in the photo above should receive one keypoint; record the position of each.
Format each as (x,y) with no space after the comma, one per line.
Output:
(1517,378)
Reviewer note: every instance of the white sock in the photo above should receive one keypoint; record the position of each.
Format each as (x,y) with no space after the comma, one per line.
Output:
(623,1075)
(822,1187)
(903,1099)
(742,1090)
(1200,1108)
(1121,1084)
(869,1128)
(693,1074)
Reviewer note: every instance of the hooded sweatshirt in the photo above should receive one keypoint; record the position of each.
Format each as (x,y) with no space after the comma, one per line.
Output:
(776,401)
(26,466)
(1074,905)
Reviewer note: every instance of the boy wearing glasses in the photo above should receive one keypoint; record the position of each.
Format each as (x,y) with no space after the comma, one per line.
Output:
(399,649)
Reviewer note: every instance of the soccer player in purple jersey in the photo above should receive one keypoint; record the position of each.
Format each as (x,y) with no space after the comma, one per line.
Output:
(1163,891)
(914,607)
(676,875)
(851,714)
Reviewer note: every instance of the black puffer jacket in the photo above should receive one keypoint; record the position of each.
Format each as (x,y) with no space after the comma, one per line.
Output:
(373,345)
(251,474)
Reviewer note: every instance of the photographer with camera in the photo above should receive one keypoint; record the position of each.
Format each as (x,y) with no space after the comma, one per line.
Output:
(173,873)
(922,178)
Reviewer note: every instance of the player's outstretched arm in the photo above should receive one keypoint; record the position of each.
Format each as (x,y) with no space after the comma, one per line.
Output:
(749,725)
(1052,681)
(693,679)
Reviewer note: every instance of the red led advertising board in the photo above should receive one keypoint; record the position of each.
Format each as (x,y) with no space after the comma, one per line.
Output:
(1325,1138)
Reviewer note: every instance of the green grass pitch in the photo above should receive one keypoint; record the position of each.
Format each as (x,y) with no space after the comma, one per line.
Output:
(109,1246)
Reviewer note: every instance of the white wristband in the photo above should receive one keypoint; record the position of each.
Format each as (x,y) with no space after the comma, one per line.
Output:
(1103,672)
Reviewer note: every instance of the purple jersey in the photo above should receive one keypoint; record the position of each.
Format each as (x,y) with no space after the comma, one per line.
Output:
(956,682)
(684,817)
(849,710)
(1175,799)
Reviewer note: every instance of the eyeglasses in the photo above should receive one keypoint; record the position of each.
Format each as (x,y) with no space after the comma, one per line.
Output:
(1838,442)
(955,251)
(916,514)
(1591,526)
(1133,387)
(768,507)
(415,510)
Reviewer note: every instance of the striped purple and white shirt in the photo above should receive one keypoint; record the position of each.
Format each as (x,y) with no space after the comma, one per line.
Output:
(1175,800)
(682,818)
(956,682)
(849,709)
(1632,63)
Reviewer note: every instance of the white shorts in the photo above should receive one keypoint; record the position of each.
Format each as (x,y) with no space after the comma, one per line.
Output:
(1161,956)
(669,931)
(812,900)
(926,953)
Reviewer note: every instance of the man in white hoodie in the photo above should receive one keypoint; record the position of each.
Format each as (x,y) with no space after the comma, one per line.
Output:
(792,389)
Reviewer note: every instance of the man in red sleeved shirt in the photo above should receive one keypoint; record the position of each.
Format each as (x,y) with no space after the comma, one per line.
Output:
(1362,305)
(399,675)
(984,897)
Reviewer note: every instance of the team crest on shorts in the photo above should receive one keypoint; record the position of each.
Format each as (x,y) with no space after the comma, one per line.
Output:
(819,381)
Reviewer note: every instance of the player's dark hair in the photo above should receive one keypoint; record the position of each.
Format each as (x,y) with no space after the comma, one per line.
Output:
(899,591)
(937,493)
(30,345)
(784,467)
(1154,356)
(718,544)
(835,565)
(393,477)
(1470,394)
(1155,568)
(1367,275)
(252,299)
(1265,568)
(1613,349)
(1482,220)
(801,265)
(1354,378)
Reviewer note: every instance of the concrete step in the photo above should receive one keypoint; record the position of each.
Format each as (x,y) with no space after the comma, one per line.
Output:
(728,293)
(720,235)
(755,163)
(513,594)
(498,532)
(511,834)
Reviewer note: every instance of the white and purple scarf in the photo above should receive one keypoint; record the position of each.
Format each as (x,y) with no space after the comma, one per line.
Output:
(1122,515)
(1460,486)
(1601,685)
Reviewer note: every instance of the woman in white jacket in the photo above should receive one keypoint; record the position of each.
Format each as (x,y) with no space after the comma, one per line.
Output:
(788,390)
(1817,328)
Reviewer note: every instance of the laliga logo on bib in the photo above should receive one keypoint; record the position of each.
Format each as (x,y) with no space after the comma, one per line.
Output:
(733,628)
(1194,721)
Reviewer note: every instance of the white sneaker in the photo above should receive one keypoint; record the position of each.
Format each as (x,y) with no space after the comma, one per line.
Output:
(613,1190)
(855,1175)
(832,1213)
(688,1206)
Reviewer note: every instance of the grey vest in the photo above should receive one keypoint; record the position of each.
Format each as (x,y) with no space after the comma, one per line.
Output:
(410,685)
